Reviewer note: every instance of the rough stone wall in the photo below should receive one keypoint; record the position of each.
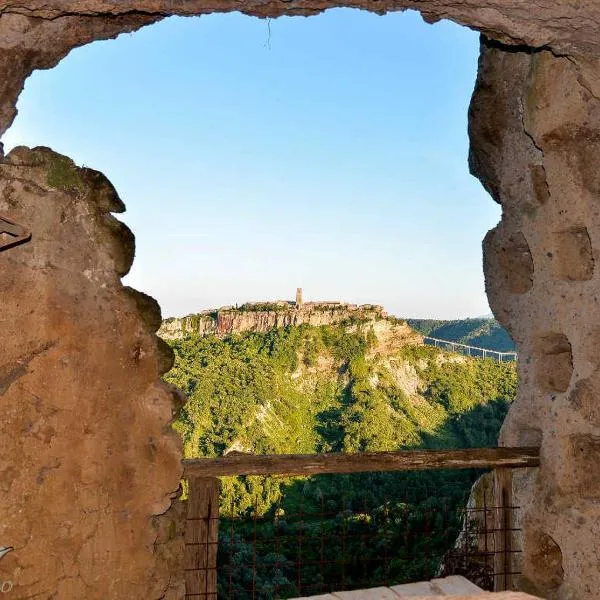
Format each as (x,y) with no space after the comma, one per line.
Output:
(88,460)
(535,135)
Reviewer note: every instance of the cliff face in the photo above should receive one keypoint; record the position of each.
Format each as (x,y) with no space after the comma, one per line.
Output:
(262,317)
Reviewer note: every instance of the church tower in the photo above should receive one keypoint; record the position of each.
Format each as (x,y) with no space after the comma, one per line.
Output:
(298,297)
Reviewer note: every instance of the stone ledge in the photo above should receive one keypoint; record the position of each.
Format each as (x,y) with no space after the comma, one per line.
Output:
(384,594)
(454,586)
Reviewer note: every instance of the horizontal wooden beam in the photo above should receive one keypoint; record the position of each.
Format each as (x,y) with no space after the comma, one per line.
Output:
(318,464)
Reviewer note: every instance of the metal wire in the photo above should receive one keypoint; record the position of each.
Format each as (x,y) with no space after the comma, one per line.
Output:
(357,545)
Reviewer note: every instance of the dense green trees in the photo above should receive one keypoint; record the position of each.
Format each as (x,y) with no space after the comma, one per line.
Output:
(335,388)
(307,389)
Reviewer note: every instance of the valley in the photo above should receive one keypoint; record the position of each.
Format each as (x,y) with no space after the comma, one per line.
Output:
(360,382)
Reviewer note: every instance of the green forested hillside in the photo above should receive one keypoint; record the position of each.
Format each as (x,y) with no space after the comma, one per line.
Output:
(335,388)
(484,333)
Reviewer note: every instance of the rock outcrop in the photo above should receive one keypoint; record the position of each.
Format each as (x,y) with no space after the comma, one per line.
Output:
(265,316)
(88,463)
(535,136)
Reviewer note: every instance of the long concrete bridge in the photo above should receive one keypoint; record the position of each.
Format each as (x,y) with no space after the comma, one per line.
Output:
(470,350)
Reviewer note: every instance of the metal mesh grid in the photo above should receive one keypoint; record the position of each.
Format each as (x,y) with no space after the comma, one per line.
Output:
(353,543)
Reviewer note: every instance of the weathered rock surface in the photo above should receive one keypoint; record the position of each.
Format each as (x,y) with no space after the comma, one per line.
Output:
(553,23)
(88,461)
(37,34)
(534,125)
(266,316)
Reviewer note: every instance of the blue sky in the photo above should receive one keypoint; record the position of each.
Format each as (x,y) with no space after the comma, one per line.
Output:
(330,154)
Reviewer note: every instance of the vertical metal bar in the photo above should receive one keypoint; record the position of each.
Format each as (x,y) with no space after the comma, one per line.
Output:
(277,546)
(299,560)
(322,536)
(445,520)
(208,549)
(405,514)
(343,545)
(427,542)
(231,542)
(467,522)
(254,548)
(503,538)
(506,562)
(386,539)
(485,534)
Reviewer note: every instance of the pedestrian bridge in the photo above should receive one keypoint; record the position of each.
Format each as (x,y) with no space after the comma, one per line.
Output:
(475,351)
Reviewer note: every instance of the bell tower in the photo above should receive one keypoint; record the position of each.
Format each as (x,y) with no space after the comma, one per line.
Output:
(298,297)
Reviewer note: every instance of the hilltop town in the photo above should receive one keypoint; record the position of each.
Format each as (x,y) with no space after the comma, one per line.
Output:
(264,316)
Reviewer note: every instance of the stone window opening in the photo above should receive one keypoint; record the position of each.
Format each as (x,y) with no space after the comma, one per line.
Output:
(530,109)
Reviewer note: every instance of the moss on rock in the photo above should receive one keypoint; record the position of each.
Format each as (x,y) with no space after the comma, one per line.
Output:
(63,174)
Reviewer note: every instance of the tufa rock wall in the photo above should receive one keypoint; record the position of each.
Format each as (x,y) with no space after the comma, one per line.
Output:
(88,461)
(535,139)
(37,34)
(266,316)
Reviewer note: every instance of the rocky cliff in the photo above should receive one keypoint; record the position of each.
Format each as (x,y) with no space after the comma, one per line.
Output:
(264,316)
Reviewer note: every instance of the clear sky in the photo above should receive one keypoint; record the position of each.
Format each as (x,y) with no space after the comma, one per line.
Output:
(328,153)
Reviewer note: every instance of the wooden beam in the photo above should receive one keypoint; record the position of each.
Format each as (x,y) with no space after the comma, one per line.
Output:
(202,538)
(315,464)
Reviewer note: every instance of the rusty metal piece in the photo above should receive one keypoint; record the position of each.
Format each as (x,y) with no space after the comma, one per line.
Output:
(12,234)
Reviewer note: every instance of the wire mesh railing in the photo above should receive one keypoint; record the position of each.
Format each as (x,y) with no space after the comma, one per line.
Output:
(272,537)
(355,546)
